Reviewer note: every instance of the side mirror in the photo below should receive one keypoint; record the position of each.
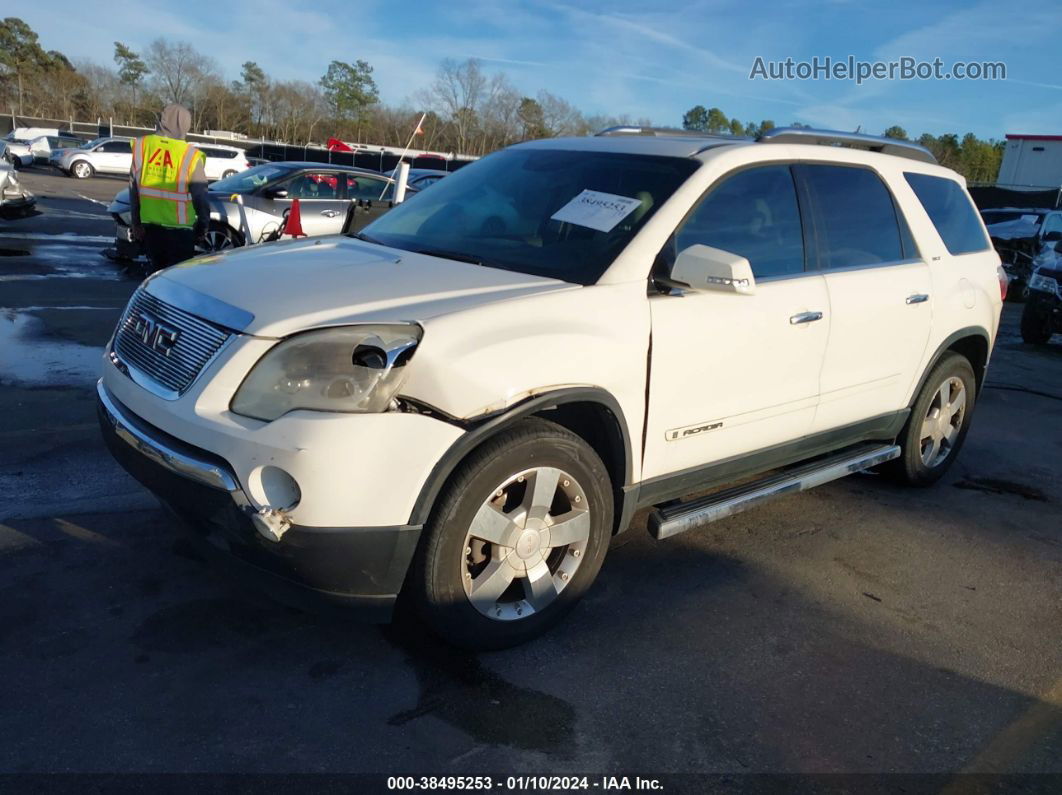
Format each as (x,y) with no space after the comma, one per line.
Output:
(276,193)
(703,268)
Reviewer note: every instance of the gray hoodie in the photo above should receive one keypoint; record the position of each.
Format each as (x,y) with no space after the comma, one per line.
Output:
(175,122)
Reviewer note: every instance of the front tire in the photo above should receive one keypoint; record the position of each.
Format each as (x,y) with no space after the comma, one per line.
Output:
(1036,323)
(82,170)
(218,237)
(516,538)
(939,421)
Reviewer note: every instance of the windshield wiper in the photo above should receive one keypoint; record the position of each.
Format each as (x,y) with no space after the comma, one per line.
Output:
(454,255)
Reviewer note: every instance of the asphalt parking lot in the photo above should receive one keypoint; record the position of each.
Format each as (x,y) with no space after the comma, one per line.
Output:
(859,627)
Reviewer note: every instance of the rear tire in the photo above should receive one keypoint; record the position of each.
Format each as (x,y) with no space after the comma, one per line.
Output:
(1036,323)
(939,421)
(545,498)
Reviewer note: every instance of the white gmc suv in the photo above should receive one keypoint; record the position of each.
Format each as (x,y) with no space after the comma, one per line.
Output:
(462,403)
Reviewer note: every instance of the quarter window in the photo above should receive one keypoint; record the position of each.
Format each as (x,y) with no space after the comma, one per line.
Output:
(854,216)
(951,211)
(753,213)
(368,188)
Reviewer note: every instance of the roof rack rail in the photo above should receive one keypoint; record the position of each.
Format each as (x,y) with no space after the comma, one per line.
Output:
(873,143)
(634,129)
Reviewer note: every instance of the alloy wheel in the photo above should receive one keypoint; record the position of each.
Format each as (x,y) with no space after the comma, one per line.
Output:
(216,240)
(525,544)
(943,421)
(82,170)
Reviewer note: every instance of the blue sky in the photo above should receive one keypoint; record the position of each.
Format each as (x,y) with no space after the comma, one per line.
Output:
(653,59)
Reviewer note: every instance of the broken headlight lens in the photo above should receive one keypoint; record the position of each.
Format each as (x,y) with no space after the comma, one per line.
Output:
(355,369)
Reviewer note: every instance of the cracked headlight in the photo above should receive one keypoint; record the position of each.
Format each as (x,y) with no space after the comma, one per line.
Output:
(345,369)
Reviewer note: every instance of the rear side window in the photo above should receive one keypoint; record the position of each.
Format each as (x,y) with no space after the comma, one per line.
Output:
(753,213)
(854,216)
(951,211)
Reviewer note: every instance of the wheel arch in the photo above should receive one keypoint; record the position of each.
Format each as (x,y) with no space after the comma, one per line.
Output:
(971,342)
(591,413)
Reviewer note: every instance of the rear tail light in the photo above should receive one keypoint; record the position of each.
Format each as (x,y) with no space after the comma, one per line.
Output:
(1003,282)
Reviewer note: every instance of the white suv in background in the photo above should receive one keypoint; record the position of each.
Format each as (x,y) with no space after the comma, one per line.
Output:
(223,161)
(465,401)
(115,156)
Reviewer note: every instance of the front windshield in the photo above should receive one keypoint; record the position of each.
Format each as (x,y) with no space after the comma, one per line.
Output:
(547,212)
(250,180)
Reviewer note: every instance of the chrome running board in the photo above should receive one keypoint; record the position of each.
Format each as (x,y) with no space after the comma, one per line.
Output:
(670,520)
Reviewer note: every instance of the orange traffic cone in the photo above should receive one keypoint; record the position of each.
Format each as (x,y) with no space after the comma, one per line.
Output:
(293,225)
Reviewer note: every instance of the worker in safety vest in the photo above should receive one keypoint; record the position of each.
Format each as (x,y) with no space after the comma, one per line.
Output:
(168,191)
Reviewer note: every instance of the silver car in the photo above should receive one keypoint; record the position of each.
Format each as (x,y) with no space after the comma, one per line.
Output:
(101,156)
(250,207)
(13,197)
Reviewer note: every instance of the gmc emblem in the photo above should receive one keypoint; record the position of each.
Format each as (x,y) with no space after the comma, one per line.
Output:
(155,334)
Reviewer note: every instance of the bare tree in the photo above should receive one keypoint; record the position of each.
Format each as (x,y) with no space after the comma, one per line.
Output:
(559,117)
(180,73)
(457,93)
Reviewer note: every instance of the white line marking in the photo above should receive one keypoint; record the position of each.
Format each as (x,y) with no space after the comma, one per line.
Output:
(70,238)
(90,199)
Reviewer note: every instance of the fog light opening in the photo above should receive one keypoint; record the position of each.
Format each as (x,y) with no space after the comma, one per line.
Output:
(273,488)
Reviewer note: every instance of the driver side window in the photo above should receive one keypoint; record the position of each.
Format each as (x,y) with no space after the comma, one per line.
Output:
(753,213)
(313,186)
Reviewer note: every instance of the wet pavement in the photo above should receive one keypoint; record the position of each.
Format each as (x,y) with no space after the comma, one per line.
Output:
(859,627)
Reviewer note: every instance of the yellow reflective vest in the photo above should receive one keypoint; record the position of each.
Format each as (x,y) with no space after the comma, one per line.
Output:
(163,168)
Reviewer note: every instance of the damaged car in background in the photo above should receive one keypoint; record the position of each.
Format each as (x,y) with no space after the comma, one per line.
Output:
(1020,235)
(14,198)
(251,206)
(1042,314)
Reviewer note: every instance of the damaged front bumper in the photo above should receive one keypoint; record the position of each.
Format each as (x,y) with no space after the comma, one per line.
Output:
(16,199)
(360,568)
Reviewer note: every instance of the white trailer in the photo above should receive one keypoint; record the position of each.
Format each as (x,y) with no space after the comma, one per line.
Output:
(1031,162)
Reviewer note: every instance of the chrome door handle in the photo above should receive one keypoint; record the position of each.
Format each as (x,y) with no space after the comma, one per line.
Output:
(917,298)
(330,213)
(805,317)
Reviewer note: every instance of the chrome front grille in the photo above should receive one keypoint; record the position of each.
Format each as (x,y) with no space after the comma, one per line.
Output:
(165,344)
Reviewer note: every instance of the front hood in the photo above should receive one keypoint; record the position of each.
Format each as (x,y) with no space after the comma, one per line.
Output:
(1013,230)
(120,204)
(300,284)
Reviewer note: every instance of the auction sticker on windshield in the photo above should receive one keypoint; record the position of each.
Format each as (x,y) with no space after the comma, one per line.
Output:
(596,210)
